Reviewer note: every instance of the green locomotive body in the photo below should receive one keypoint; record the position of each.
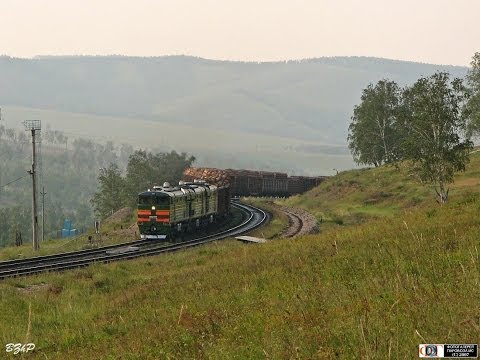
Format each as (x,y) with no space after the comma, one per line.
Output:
(164,212)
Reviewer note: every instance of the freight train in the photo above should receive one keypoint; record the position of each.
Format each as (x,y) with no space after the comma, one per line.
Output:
(255,183)
(165,211)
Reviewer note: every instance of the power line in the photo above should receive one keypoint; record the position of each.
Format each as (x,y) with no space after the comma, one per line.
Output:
(11,182)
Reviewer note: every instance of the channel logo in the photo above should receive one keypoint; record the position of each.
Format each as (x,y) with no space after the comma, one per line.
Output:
(448,351)
(431,350)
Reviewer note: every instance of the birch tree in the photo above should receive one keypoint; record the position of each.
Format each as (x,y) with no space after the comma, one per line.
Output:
(435,130)
(373,138)
(473,105)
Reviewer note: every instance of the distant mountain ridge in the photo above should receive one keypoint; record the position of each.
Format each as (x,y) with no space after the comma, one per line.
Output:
(309,99)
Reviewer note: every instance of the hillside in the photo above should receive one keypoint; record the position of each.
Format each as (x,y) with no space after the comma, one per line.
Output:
(355,196)
(407,275)
(303,104)
(214,148)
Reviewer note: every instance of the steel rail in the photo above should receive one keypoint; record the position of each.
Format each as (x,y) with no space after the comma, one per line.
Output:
(72,254)
(69,255)
(255,218)
(295,224)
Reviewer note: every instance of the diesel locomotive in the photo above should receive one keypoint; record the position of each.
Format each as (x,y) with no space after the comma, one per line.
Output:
(165,211)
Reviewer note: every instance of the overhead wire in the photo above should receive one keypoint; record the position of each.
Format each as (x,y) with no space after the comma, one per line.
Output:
(11,182)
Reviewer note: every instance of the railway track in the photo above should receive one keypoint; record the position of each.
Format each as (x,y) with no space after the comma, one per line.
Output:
(300,222)
(254,218)
(295,224)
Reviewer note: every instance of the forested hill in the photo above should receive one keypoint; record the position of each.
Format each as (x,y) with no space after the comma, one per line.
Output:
(308,100)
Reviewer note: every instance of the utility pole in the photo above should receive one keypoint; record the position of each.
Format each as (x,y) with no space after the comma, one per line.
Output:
(43,193)
(4,120)
(34,126)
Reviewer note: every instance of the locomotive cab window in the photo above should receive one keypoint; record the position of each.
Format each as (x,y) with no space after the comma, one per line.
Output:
(153,200)
(162,201)
(145,200)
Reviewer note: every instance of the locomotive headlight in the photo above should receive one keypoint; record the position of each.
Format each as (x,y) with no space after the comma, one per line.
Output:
(153,207)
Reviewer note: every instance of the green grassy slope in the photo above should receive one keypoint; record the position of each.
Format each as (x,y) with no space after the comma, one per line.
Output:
(368,291)
(373,290)
(354,196)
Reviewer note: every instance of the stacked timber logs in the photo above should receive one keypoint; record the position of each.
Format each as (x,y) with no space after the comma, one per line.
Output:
(250,182)
(213,176)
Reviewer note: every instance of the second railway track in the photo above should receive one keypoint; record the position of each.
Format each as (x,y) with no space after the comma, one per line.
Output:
(295,224)
(300,222)
(57,262)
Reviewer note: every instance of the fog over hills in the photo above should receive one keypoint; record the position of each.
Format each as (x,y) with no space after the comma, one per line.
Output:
(309,101)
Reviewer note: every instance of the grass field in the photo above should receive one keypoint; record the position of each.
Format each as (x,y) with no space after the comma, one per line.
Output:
(407,272)
(356,196)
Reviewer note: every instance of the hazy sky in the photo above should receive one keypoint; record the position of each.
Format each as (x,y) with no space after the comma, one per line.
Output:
(434,31)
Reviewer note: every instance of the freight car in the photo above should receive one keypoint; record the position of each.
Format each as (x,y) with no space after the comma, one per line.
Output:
(255,183)
(301,184)
(166,211)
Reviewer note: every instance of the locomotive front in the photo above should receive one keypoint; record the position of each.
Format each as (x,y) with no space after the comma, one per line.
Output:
(167,211)
(154,215)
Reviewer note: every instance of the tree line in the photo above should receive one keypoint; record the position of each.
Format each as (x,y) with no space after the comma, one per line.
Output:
(143,171)
(431,123)
(70,179)
(68,176)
